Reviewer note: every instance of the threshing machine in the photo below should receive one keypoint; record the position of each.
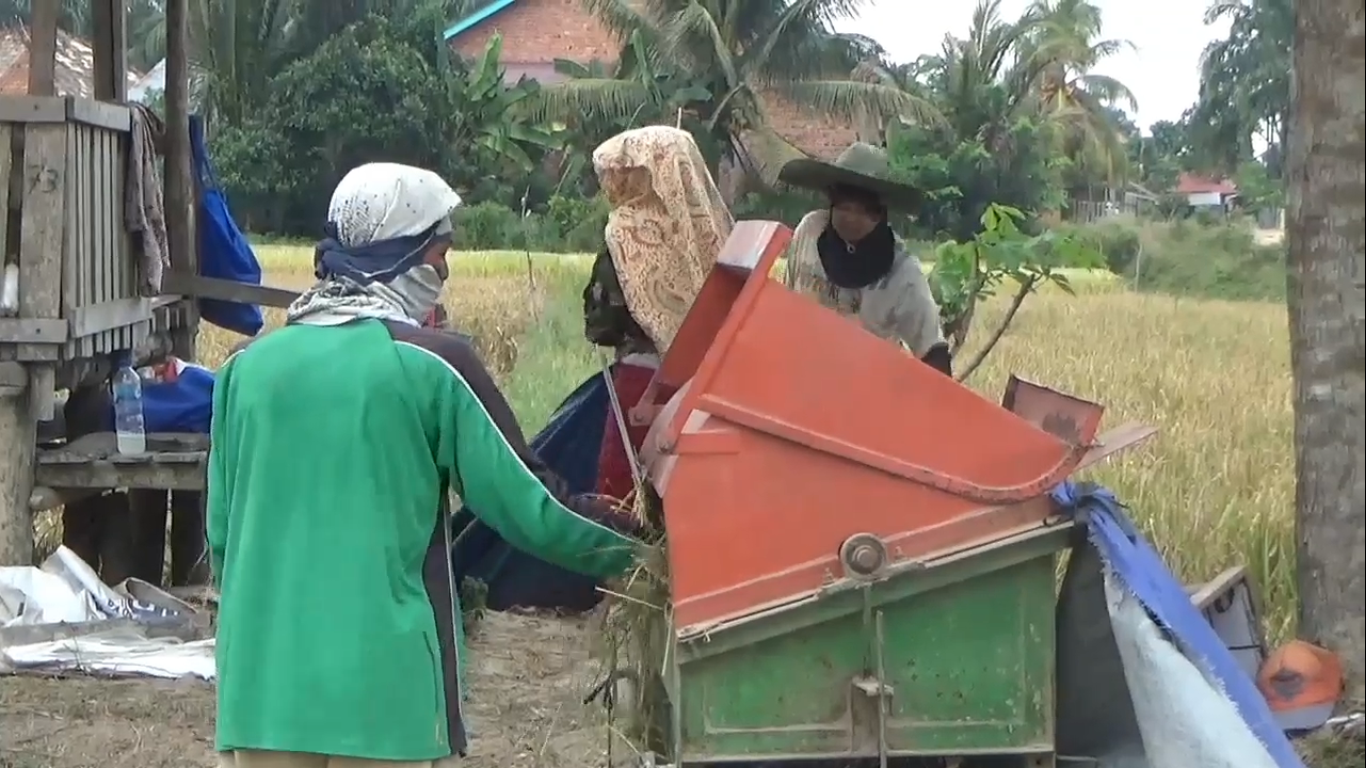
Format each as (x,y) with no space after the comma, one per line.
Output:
(861,550)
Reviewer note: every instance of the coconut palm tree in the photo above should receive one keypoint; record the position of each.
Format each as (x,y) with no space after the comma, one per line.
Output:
(1037,66)
(984,82)
(1066,40)
(735,56)
(1245,82)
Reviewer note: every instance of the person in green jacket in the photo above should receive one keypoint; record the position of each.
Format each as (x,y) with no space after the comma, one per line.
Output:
(335,441)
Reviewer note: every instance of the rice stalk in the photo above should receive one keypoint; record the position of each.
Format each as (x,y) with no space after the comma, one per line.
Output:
(637,630)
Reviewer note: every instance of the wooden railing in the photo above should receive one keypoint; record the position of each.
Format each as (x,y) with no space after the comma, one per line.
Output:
(67,243)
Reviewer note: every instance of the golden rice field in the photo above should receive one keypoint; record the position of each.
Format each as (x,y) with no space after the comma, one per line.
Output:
(1214,488)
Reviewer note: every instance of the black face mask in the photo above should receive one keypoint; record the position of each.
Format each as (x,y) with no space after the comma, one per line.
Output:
(606,320)
(861,265)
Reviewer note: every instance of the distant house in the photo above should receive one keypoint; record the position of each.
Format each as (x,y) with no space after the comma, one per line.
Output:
(536,32)
(1088,204)
(1203,193)
(75,64)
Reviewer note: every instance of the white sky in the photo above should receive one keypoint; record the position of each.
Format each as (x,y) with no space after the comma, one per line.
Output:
(1162,70)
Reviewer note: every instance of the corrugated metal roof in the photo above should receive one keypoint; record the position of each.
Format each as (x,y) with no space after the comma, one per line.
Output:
(476,17)
(151,83)
(75,65)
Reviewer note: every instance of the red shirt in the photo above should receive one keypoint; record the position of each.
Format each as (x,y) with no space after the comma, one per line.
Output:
(615,478)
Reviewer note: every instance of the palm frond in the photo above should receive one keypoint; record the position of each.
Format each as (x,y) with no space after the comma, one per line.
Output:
(691,35)
(591,98)
(1106,90)
(620,17)
(763,153)
(854,100)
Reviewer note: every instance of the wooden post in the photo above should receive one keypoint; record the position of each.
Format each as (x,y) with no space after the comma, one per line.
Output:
(42,52)
(17,436)
(179,185)
(22,398)
(187,519)
(110,46)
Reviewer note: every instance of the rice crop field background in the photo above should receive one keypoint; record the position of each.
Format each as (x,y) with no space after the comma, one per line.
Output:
(1213,489)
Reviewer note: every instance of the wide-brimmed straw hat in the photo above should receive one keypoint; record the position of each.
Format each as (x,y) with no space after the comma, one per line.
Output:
(862,166)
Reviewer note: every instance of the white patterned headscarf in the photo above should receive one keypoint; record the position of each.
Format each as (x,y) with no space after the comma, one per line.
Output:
(667,225)
(381,222)
(376,202)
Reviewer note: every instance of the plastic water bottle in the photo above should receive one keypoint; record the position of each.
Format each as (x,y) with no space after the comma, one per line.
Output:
(126,390)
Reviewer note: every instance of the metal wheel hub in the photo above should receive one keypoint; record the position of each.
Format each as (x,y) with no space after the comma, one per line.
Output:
(863,556)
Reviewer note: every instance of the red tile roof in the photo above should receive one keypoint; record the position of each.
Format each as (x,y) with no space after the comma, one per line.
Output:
(1191,184)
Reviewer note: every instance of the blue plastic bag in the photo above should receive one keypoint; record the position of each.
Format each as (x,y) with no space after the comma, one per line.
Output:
(184,404)
(223,249)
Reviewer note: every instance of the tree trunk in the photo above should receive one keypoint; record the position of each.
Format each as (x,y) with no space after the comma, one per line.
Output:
(1326,234)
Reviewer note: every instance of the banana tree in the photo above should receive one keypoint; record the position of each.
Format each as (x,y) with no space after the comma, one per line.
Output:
(638,92)
(490,114)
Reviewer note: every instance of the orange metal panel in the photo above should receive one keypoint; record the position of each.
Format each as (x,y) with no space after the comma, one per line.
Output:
(795,428)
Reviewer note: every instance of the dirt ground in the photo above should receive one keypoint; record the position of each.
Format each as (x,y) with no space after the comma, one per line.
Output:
(528,678)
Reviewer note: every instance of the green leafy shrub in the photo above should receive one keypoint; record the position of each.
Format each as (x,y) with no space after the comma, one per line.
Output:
(1218,259)
(578,222)
(1117,241)
(487,226)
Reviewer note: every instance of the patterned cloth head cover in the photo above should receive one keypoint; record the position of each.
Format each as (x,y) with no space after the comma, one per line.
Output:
(666,227)
(382,221)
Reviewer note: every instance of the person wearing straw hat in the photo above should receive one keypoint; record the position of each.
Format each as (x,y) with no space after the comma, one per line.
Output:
(666,228)
(847,257)
(335,441)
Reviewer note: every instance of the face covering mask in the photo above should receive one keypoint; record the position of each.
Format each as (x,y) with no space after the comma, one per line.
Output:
(416,291)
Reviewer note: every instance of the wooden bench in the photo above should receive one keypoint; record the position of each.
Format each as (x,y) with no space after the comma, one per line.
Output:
(173,461)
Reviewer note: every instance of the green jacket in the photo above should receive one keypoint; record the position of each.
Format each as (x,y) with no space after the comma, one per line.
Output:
(333,450)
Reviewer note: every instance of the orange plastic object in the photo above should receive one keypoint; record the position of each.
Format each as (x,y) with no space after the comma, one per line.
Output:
(793,428)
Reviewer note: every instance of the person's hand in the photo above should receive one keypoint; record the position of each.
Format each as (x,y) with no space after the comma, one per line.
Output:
(615,514)
(437,318)
(643,414)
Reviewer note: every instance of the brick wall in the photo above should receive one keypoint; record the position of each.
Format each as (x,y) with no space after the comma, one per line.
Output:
(821,136)
(536,32)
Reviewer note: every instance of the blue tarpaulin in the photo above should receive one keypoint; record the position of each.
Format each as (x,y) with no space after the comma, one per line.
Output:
(569,446)
(1138,567)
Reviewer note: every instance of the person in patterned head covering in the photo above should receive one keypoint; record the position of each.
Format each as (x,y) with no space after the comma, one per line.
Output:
(335,442)
(666,228)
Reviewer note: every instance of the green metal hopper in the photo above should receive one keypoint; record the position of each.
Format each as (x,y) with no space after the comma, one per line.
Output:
(864,577)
